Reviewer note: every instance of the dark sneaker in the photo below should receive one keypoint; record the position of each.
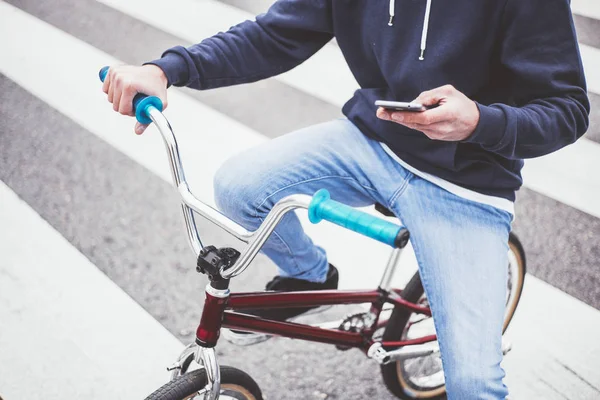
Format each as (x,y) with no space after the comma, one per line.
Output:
(280,283)
(283,284)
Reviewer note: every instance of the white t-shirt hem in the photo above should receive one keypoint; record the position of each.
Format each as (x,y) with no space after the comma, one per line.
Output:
(497,202)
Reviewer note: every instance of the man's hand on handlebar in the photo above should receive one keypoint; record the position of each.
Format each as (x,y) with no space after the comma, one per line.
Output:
(123,82)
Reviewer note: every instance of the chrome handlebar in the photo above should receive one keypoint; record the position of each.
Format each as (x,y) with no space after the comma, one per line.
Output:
(191,204)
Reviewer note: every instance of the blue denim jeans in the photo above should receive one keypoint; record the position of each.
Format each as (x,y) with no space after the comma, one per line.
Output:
(460,245)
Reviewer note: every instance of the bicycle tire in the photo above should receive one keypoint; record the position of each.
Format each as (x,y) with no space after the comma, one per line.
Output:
(187,385)
(392,373)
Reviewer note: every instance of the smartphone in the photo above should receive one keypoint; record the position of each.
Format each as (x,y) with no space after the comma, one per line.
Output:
(402,106)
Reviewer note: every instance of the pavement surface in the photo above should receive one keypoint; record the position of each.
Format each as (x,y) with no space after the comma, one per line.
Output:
(114,208)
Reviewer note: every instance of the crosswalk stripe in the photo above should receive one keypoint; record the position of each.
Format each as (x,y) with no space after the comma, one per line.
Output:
(543,332)
(591,64)
(96,342)
(587,8)
(325,75)
(565,176)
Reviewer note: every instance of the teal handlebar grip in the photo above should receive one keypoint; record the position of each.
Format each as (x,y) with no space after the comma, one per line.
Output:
(141,103)
(323,208)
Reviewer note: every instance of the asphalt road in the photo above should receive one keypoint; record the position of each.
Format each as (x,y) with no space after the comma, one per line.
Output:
(91,193)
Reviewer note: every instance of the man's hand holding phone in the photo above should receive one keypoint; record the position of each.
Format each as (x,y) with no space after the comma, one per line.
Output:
(454,119)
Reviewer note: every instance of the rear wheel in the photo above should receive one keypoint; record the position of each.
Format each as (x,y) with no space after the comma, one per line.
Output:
(235,385)
(423,377)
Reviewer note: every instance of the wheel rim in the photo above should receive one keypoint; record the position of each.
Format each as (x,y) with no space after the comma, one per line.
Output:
(423,377)
(229,387)
(515,283)
(425,374)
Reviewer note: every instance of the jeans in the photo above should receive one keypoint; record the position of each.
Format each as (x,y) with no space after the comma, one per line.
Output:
(460,245)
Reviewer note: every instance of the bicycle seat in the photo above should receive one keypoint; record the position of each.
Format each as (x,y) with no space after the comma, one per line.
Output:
(383,210)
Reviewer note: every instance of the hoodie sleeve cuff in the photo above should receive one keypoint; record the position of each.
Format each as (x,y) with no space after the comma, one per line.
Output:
(174,66)
(491,128)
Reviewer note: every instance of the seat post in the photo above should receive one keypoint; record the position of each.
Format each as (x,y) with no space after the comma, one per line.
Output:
(390,269)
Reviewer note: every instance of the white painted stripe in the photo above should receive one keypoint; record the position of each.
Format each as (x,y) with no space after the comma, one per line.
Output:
(587,8)
(552,331)
(68,332)
(591,64)
(564,175)
(75,91)
(567,176)
(325,75)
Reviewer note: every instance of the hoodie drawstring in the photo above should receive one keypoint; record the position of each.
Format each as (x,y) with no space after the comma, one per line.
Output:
(425,25)
(392,11)
(425,30)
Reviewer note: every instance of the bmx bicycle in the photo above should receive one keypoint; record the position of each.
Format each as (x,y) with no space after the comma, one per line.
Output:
(396,332)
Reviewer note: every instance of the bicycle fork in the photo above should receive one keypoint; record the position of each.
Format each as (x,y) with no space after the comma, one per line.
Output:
(203,349)
(206,356)
(207,336)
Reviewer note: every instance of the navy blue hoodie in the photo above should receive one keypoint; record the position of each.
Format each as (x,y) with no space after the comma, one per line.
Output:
(518,59)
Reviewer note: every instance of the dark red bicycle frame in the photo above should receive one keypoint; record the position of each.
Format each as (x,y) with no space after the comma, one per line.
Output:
(222,312)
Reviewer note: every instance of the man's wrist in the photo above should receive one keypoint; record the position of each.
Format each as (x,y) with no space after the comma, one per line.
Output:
(158,72)
(490,128)
(173,66)
(474,123)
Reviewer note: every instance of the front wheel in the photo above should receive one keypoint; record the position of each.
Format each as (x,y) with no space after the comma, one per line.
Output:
(423,377)
(235,385)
